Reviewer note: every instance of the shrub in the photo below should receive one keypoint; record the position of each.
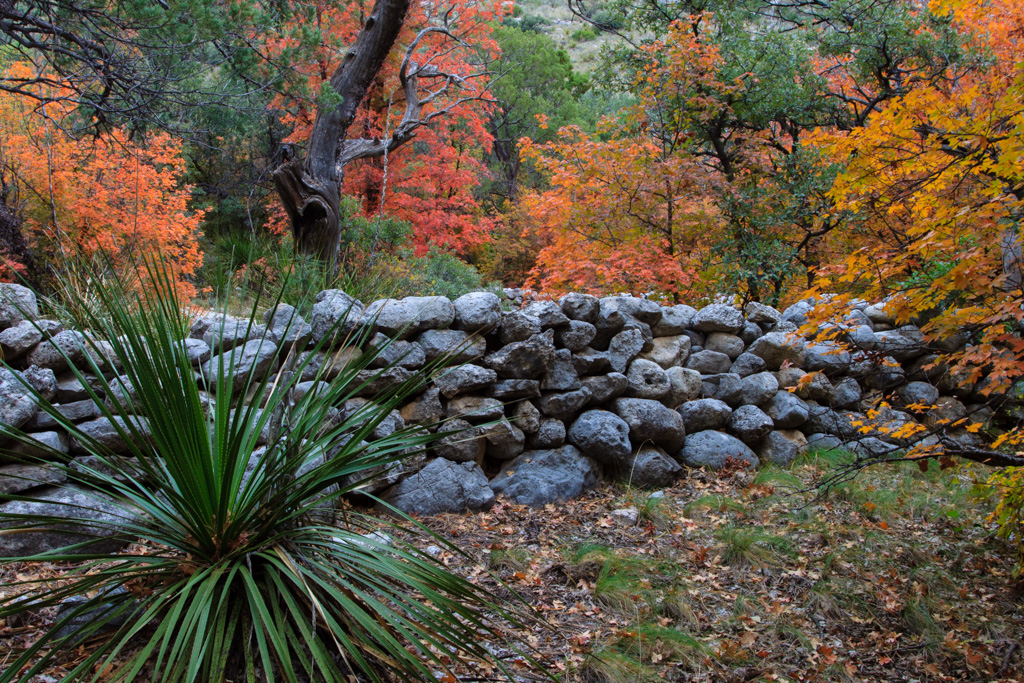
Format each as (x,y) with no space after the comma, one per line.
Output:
(240,568)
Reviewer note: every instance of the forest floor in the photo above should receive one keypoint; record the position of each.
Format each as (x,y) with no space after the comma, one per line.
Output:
(894,576)
(745,576)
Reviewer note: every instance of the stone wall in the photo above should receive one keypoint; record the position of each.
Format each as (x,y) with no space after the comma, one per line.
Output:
(548,397)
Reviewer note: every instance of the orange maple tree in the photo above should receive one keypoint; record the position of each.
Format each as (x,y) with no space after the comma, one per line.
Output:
(111,193)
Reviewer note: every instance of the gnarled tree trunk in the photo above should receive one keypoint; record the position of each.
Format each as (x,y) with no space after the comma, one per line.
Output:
(309,189)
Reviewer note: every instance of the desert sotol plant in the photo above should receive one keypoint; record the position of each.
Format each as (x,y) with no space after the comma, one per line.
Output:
(240,569)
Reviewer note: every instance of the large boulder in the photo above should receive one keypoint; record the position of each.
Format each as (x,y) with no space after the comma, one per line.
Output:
(564,405)
(674,320)
(562,375)
(288,327)
(575,336)
(581,307)
(453,346)
(713,449)
(684,385)
(477,312)
(104,433)
(464,379)
(650,421)
(778,348)
(442,486)
(787,410)
(516,326)
(782,447)
(404,318)
(647,379)
(603,436)
(624,347)
(725,387)
(537,478)
(256,358)
(17,405)
(603,388)
(64,349)
(668,352)
(652,468)
(527,359)
(709,362)
(726,343)
(718,318)
(750,424)
(17,303)
(89,517)
(759,388)
(548,314)
(705,413)
(550,433)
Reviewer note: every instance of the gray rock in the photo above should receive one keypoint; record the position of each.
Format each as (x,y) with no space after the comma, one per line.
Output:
(78,411)
(477,312)
(225,332)
(757,312)
(652,468)
(651,422)
(325,366)
(603,436)
(564,406)
(759,388)
(674,320)
(862,337)
(836,422)
(575,336)
(705,413)
(504,441)
(750,333)
(747,364)
(63,349)
(604,388)
(197,350)
(876,314)
(817,389)
(425,408)
(684,385)
(516,326)
(669,352)
(581,307)
(257,357)
(315,390)
(647,380)
(713,449)
(442,486)
(404,354)
(824,442)
(526,416)
(511,389)
(90,517)
(550,434)
(590,362)
(103,433)
(917,393)
(787,410)
(16,340)
(476,408)
(524,359)
(869,446)
(797,313)
(827,357)
(404,318)
(750,424)
(22,477)
(846,394)
(725,387)
(462,443)
(38,445)
(17,303)
(547,313)
(17,405)
(897,344)
(623,348)
(718,318)
(616,311)
(947,412)
(562,375)
(726,343)
(288,327)
(709,362)
(883,375)
(779,450)
(464,379)
(44,381)
(777,348)
(537,478)
(453,346)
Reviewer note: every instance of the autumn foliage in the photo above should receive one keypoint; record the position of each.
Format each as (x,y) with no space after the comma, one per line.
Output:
(110,193)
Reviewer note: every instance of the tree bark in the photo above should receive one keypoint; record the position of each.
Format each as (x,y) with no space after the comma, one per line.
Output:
(310,190)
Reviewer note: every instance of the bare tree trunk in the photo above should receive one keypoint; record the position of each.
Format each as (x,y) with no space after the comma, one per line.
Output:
(310,190)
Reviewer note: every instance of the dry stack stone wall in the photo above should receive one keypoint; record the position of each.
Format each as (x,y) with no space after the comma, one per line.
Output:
(544,398)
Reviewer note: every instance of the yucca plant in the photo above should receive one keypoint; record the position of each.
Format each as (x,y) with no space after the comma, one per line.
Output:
(240,567)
